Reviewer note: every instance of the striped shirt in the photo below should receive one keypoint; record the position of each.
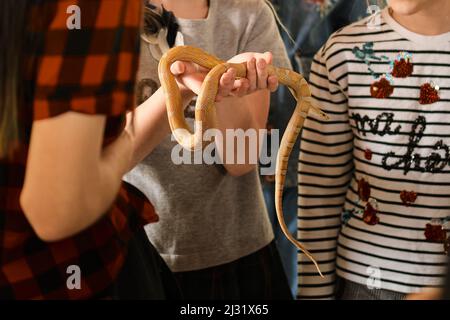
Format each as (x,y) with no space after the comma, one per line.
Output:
(377,173)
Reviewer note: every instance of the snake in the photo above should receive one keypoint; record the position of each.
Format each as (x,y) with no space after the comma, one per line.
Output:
(206,118)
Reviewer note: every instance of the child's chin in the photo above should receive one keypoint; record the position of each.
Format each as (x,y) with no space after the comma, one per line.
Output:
(406,7)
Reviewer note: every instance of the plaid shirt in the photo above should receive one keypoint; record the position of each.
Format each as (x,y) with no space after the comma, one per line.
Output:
(91,70)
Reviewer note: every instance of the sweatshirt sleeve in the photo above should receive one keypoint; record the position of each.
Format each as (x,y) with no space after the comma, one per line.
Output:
(325,170)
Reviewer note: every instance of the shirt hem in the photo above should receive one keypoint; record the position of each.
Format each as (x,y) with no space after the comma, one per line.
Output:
(185,264)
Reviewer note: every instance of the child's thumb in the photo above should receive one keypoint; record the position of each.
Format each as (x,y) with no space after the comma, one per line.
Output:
(177,68)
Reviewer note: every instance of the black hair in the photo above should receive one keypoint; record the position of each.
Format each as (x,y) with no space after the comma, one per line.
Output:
(156,19)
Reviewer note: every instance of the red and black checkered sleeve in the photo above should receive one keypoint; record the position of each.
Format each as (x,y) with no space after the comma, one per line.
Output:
(91,69)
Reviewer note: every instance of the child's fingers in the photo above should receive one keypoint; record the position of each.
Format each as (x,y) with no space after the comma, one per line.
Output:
(177,68)
(261,70)
(241,87)
(182,67)
(272,82)
(226,83)
(251,74)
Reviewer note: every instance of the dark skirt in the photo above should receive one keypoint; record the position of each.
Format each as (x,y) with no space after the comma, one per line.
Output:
(258,276)
(144,275)
(447,283)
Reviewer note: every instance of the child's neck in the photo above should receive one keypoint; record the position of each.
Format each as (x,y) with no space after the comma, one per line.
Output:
(434,20)
(192,9)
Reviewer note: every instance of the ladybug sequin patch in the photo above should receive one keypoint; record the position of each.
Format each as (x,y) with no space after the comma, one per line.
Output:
(402,69)
(363,190)
(429,93)
(435,233)
(402,66)
(408,197)
(381,89)
(370,214)
(368,154)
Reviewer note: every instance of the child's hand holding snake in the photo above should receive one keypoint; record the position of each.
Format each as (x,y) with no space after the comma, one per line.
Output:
(190,76)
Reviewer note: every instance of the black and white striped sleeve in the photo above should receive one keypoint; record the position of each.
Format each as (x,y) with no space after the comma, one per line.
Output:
(325,169)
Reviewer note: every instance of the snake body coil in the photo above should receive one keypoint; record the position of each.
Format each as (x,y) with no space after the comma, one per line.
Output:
(205,113)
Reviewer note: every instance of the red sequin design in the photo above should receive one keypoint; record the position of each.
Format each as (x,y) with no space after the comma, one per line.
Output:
(408,197)
(435,233)
(368,154)
(402,68)
(363,189)
(370,215)
(381,89)
(428,94)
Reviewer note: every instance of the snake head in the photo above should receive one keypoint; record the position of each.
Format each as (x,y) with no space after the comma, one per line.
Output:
(320,113)
(312,106)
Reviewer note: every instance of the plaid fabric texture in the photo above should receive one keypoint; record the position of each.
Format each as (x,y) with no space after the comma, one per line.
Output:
(92,71)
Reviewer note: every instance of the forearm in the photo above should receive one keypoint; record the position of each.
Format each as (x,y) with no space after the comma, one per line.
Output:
(246,113)
(70,181)
(149,125)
